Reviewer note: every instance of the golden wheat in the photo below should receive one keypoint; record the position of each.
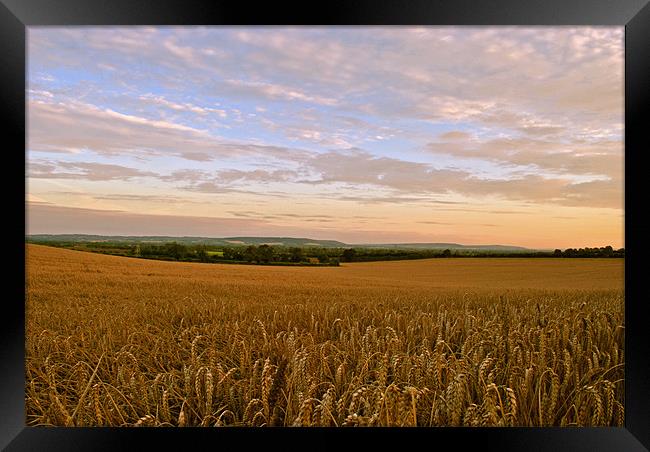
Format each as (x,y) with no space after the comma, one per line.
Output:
(475,342)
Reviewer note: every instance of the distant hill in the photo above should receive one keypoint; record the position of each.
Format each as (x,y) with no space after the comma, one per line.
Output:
(282,241)
(225,241)
(451,246)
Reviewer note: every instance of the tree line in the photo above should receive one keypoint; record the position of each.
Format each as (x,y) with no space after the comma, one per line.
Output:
(252,254)
(283,255)
(606,251)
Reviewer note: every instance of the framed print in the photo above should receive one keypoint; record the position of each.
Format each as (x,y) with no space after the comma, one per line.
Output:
(269,222)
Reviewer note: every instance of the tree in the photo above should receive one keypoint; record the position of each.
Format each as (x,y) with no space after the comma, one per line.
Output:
(175,250)
(228,253)
(348,255)
(446,253)
(147,250)
(321,255)
(250,253)
(234,254)
(557,253)
(296,254)
(202,254)
(265,253)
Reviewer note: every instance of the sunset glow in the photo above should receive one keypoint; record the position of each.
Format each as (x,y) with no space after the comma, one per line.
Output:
(473,135)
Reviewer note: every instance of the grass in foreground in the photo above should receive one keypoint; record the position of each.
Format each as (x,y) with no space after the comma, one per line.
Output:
(123,342)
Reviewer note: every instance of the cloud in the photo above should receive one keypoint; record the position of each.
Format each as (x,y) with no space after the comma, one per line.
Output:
(302,217)
(596,194)
(545,75)
(77,127)
(429,73)
(83,170)
(356,166)
(230,181)
(145,198)
(455,135)
(360,168)
(433,74)
(49,219)
(230,176)
(381,117)
(186,106)
(378,199)
(185,175)
(574,157)
(35,199)
(269,91)
(507,212)
(359,176)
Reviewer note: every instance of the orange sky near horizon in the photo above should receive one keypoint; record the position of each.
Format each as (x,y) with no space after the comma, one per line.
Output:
(471,135)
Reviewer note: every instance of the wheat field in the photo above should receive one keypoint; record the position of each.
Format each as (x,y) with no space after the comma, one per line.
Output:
(113,341)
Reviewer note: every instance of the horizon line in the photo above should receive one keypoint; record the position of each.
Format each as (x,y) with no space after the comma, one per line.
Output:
(311,238)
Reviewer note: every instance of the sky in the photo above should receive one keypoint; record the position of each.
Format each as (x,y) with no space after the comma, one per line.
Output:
(473,135)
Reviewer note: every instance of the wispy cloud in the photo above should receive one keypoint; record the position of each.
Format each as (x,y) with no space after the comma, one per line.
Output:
(575,157)
(84,170)
(145,198)
(186,106)
(391,120)
(76,127)
(268,91)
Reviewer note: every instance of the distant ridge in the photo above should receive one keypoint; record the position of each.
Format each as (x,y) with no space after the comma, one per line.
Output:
(444,246)
(242,241)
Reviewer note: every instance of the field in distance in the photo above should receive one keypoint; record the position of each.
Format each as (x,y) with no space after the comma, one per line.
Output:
(120,341)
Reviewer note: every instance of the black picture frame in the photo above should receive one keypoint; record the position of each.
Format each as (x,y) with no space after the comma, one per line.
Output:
(16,15)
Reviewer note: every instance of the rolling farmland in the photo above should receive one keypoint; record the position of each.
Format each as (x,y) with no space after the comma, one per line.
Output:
(118,341)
